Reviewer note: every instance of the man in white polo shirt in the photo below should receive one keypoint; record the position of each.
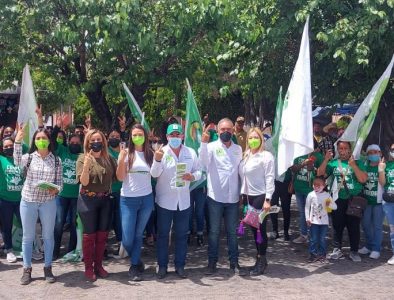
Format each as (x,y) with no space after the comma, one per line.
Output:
(174,166)
(221,159)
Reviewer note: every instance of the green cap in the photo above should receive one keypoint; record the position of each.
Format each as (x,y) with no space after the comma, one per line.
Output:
(174,127)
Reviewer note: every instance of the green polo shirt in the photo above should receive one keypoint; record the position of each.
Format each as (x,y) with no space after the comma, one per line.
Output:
(303,178)
(11,181)
(69,162)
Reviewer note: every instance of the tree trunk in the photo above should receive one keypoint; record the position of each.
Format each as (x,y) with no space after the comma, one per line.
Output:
(100,106)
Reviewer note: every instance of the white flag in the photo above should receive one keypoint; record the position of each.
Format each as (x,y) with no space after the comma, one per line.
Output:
(362,122)
(27,106)
(296,133)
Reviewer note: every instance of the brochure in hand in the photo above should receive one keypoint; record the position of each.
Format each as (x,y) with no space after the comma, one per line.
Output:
(47,185)
(273,210)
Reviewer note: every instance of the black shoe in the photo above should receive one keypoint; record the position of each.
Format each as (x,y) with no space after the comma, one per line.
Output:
(181,273)
(49,275)
(26,276)
(134,273)
(211,269)
(274,236)
(312,258)
(236,269)
(141,266)
(287,237)
(200,240)
(162,272)
(260,266)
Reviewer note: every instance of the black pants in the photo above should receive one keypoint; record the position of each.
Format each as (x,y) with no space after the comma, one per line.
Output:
(285,201)
(95,213)
(340,220)
(257,202)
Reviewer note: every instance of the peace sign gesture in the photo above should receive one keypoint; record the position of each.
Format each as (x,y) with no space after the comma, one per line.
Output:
(205,136)
(122,123)
(382,165)
(159,153)
(21,133)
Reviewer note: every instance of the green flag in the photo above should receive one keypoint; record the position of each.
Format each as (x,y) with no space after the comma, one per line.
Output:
(193,129)
(135,109)
(272,143)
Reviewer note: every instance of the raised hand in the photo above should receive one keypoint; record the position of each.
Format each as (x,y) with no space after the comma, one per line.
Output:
(21,133)
(88,122)
(39,111)
(88,159)
(352,162)
(205,136)
(382,165)
(159,153)
(65,120)
(122,123)
(329,155)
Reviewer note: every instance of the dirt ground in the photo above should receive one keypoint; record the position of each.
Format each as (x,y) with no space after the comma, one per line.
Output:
(288,276)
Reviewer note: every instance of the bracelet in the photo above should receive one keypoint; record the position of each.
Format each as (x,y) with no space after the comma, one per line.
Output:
(18,143)
(157,160)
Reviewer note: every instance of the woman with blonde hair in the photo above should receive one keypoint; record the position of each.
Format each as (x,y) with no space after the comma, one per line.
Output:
(257,173)
(96,171)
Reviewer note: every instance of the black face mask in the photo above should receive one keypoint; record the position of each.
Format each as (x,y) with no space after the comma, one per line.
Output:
(6,135)
(96,146)
(9,151)
(225,136)
(74,148)
(114,142)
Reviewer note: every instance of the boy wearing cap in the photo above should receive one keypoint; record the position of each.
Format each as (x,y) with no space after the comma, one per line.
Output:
(240,133)
(174,166)
(372,222)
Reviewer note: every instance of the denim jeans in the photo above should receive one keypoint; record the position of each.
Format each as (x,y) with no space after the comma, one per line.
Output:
(197,202)
(389,212)
(317,242)
(135,213)
(372,224)
(64,206)
(301,201)
(30,211)
(116,217)
(181,226)
(216,211)
(8,209)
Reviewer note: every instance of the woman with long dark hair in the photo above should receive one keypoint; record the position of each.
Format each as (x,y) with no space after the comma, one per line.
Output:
(41,165)
(136,198)
(96,171)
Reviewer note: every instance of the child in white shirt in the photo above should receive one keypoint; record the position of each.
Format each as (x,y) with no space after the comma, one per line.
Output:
(318,204)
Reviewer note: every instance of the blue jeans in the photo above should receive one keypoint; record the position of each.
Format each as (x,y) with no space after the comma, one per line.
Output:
(65,206)
(135,213)
(389,212)
(8,209)
(181,226)
(30,211)
(317,242)
(372,223)
(197,202)
(301,201)
(116,217)
(230,211)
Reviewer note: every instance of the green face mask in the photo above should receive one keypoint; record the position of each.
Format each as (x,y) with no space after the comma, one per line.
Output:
(42,144)
(254,143)
(59,141)
(138,140)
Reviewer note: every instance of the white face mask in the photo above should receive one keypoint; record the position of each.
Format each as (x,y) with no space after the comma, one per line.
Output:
(318,189)
(392,154)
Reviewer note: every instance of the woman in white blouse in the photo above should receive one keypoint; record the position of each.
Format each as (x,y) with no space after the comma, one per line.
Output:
(136,198)
(257,177)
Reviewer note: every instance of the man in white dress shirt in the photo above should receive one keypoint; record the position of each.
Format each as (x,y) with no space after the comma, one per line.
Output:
(221,160)
(174,166)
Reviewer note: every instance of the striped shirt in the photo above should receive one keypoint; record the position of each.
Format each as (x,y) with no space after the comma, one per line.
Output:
(40,169)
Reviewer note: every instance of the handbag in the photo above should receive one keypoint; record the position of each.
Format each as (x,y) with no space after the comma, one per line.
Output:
(388,197)
(356,206)
(252,217)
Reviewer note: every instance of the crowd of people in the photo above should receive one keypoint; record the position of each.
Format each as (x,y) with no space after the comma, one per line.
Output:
(139,184)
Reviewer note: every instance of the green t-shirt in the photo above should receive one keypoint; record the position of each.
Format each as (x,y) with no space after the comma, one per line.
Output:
(353,185)
(389,177)
(303,178)
(11,181)
(116,185)
(371,186)
(69,161)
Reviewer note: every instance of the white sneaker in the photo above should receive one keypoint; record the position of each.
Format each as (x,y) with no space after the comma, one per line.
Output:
(364,251)
(354,256)
(374,255)
(336,254)
(11,258)
(391,261)
(301,239)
